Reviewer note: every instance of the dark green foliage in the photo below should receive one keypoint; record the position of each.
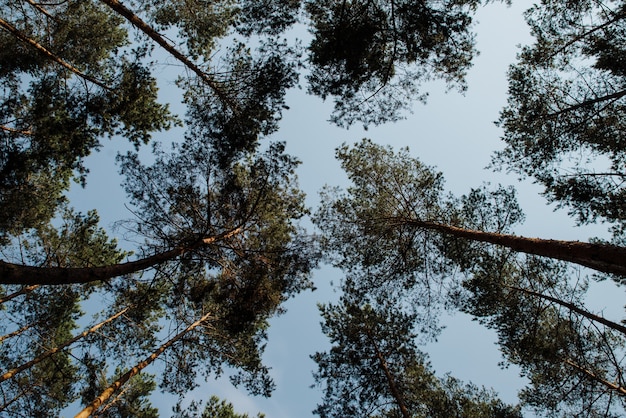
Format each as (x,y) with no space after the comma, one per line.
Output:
(51,118)
(374,369)
(214,408)
(373,56)
(564,123)
(567,357)
(257,81)
(270,17)
(184,198)
(51,315)
(374,233)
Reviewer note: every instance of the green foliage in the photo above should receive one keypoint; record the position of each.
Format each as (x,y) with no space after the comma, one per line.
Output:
(377,233)
(567,357)
(373,56)
(51,118)
(374,369)
(564,122)
(243,280)
(215,408)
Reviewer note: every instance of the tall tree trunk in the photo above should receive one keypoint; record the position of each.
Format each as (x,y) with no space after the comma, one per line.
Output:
(29,275)
(148,30)
(572,307)
(390,379)
(55,350)
(601,257)
(108,392)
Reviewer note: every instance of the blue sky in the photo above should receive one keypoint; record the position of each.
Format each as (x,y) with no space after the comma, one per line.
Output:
(452,132)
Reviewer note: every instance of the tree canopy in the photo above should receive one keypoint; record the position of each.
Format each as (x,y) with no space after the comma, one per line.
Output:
(95,320)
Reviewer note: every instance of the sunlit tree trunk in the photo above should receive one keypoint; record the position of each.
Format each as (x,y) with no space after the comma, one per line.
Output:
(612,386)
(55,350)
(108,392)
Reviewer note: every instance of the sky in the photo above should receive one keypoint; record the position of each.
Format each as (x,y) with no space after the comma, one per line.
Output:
(453,132)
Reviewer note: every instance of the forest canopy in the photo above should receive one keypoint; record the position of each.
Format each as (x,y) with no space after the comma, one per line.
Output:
(95,320)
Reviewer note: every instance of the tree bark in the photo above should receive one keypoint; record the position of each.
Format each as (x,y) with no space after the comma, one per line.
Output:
(601,257)
(30,275)
(619,389)
(108,392)
(55,350)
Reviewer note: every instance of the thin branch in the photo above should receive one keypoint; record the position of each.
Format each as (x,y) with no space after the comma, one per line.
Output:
(572,307)
(14,333)
(22,291)
(619,389)
(609,97)
(25,39)
(15,131)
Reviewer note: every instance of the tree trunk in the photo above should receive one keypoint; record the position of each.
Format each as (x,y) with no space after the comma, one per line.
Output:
(148,30)
(601,257)
(55,350)
(612,386)
(104,396)
(390,380)
(29,275)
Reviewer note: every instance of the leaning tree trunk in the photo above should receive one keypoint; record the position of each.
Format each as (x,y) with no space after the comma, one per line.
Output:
(601,257)
(30,275)
(55,350)
(393,388)
(108,392)
(148,30)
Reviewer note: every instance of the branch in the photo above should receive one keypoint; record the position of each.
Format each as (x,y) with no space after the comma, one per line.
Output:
(22,291)
(148,30)
(25,39)
(55,350)
(619,389)
(15,131)
(574,308)
(613,96)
